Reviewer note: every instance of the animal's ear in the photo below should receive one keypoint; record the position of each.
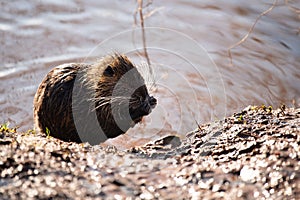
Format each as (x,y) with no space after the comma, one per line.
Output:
(109,71)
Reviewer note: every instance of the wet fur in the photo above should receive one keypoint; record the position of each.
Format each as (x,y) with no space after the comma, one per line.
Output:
(55,100)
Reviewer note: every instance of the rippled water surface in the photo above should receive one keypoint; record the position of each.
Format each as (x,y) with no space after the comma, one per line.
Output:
(187,44)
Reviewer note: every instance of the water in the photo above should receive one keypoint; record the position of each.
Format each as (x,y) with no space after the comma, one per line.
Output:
(188,47)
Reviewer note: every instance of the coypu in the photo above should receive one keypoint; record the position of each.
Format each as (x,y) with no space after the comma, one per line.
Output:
(91,102)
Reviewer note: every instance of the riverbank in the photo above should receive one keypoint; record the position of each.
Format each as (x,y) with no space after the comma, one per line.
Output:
(254,154)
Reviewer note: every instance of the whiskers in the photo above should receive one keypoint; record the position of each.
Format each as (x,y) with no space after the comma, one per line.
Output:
(148,74)
(113,101)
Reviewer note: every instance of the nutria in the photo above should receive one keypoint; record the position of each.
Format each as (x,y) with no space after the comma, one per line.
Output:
(91,102)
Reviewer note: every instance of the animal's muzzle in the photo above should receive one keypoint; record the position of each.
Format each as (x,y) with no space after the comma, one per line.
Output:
(148,105)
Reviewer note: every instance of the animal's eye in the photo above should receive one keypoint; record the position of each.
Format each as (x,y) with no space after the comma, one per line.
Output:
(141,99)
(108,71)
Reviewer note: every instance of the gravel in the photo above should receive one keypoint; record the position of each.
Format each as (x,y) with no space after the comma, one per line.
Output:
(253,154)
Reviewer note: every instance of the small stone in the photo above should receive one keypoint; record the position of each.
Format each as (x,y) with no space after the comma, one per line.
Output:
(248,174)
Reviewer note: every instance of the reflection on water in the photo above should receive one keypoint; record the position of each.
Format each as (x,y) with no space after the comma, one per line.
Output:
(38,35)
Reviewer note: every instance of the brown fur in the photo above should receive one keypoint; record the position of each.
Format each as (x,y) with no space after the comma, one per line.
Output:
(72,96)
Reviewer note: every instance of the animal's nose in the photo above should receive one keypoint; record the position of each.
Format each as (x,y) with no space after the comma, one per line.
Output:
(149,104)
(152,102)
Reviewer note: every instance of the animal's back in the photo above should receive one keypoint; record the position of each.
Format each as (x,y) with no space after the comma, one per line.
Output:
(51,103)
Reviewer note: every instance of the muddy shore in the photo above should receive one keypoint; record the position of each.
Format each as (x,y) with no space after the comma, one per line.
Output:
(253,154)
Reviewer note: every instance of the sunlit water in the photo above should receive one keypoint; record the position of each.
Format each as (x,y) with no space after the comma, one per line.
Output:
(187,45)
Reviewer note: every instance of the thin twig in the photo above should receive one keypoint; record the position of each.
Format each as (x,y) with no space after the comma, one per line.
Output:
(292,8)
(140,9)
(149,14)
(249,32)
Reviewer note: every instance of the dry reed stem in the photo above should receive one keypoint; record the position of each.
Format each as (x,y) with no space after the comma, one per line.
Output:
(250,31)
(140,11)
